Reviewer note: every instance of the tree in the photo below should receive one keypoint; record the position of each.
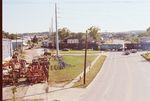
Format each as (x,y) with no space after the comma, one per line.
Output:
(148,29)
(5,34)
(80,35)
(132,38)
(12,36)
(94,33)
(9,36)
(63,33)
(35,39)
(147,33)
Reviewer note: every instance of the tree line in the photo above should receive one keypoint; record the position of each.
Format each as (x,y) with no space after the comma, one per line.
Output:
(93,33)
(8,35)
(136,38)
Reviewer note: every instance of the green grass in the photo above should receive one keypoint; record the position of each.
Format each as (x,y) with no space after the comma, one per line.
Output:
(92,73)
(70,72)
(79,52)
(146,56)
(26,100)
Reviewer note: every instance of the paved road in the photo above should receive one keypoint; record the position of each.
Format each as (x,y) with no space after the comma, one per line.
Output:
(122,78)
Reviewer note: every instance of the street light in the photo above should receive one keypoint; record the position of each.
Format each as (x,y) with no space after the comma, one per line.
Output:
(84,79)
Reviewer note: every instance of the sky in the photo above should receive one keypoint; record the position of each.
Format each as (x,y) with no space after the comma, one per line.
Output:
(23,16)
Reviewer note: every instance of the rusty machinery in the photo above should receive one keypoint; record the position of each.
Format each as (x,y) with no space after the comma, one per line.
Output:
(37,71)
(13,70)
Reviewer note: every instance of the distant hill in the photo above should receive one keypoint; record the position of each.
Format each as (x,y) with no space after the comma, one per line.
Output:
(37,33)
(136,31)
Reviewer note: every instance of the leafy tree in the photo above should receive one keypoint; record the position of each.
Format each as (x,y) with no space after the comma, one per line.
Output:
(147,33)
(72,34)
(94,33)
(5,34)
(80,35)
(9,36)
(35,39)
(12,36)
(132,38)
(29,42)
(148,29)
(63,33)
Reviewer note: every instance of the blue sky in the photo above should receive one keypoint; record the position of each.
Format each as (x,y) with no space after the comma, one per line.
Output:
(21,16)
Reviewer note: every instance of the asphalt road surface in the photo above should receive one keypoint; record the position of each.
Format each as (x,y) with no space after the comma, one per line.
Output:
(122,78)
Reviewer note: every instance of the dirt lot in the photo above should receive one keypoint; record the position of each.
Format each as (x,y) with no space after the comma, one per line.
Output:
(33,53)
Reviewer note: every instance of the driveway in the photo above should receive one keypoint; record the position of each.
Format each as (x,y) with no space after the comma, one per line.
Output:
(32,53)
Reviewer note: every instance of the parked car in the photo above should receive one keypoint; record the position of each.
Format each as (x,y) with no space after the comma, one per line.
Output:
(65,49)
(126,53)
(133,50)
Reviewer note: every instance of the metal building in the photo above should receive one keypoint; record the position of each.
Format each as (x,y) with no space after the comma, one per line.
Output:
(17,44)
(145,43)
(7,49)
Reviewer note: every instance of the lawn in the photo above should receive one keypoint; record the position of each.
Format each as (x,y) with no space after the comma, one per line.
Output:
(146,56)
(77,52)
(92,73)
(74,68)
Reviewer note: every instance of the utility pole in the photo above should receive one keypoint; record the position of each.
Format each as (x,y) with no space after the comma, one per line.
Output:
(53,36)
(57,37)
(84,79)
(16,42)
(22,45)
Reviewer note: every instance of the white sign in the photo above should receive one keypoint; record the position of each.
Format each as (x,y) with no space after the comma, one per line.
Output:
(72,41)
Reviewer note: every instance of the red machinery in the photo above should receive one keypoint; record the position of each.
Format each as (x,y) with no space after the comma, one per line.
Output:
(15,69)
(37,72)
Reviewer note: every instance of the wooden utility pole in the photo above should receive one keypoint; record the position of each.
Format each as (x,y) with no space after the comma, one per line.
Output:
(57,37)
(84,79)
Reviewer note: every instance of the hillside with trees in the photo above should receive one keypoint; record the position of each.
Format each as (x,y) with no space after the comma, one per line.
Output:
(8,35)
(93,34)
(147,33)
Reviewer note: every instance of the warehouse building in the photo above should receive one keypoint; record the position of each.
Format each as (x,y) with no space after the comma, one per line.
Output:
(7,49)
(145,43)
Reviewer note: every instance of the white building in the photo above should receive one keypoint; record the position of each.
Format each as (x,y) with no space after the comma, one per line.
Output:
(74,41)
(7,49)
(17,44)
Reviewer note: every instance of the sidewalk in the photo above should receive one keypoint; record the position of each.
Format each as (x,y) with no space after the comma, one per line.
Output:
(37,91)
(65,93)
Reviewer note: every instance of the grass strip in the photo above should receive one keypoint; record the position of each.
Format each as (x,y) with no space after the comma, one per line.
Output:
(146,56)
(25,100)
(75,67)
(77,52)
(92,73)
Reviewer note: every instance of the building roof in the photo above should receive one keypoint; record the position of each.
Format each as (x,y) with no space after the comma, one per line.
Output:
(145,39)
(18,40)
(4,39)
